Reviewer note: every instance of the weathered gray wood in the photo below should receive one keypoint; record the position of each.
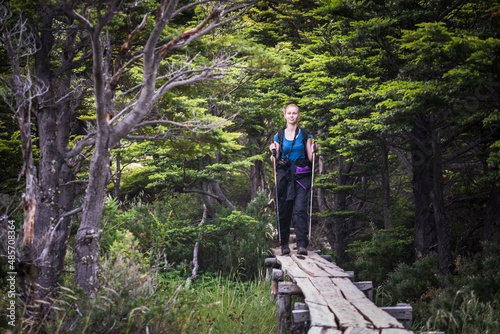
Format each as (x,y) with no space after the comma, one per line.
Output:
(366,287)
(291,268)
(327,257)
(270,261)
(352,276)
(309,265)
(300,315)
(400,312)
(400,331)
(300,306)
(284,313)
(277,275)
(379,318)
(359,330)
(323,330)
(321,315)
(318,307)
(336,305)
(346,314)
(289,288)
(331,268)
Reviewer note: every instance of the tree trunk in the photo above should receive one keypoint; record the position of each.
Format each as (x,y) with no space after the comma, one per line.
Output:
(425,234)
(492,218)
(55,191)
(443,230)
(257,173)
(45,228)
(338,226)
(323,207)
(257,178)
(88,236)
(118,177)
(207,201)
(386,187)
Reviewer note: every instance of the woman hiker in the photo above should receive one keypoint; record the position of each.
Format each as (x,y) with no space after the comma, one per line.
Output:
(294,153)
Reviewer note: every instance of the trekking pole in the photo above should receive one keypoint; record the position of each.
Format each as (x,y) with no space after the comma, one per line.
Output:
(315,149)
(277,204)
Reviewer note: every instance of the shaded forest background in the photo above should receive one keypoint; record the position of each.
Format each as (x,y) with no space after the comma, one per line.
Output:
(135,165)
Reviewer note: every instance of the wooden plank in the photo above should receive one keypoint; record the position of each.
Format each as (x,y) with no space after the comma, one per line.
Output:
(400,312)
(301,315)
(290,267)
(360,330)
(331,268)
(310,292)
(346,314)
(300,306)
(379,318)
(400,331)
(320,313)
(323,330)
(308,265)
(364,285)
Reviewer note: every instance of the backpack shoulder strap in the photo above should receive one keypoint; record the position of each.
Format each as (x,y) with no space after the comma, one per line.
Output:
(281,133)
(305,134)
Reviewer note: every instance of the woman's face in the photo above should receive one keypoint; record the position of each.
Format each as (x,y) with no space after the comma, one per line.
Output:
(292,115)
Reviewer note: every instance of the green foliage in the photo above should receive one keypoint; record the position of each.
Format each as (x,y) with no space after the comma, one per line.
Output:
(479,275)
(129,300)
(411,283)
(163,229)
(376,257)
(133,298)
(236,242)
(466,314)
(464,302)
(227,306)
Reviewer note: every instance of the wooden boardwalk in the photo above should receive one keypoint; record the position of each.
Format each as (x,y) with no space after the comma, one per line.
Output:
(334,305)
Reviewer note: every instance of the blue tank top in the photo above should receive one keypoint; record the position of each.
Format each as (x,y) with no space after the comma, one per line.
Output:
(298,147)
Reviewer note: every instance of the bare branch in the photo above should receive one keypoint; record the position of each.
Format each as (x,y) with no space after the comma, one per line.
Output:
(196,265)
(192,32)
(119,67)
(82,19)
(50,238)
(90,140)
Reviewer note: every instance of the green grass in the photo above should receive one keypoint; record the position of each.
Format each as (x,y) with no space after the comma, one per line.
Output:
(226,306)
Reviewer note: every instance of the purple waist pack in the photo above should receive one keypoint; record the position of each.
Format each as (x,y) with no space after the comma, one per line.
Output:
(302,170)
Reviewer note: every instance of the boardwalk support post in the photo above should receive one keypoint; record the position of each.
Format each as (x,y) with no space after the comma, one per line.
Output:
(277,276)
(270,263)
(284,311)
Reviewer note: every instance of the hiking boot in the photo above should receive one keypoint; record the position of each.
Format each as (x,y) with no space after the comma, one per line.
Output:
(302,251)
(285,250)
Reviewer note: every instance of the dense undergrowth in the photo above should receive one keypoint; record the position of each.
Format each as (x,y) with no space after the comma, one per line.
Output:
(147,252)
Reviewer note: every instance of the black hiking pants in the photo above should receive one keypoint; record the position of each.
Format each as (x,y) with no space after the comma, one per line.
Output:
(293,195)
